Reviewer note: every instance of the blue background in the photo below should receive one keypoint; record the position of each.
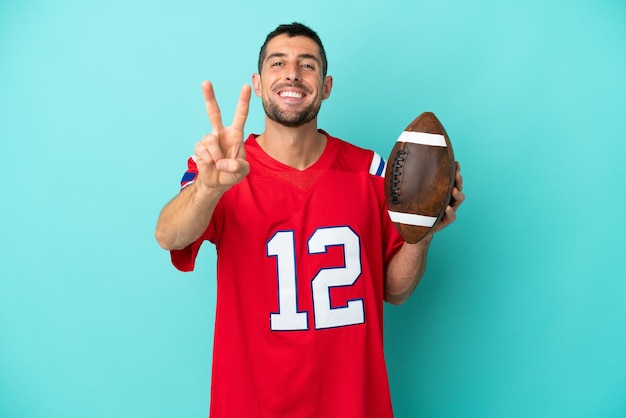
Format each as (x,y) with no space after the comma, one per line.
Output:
(522,312)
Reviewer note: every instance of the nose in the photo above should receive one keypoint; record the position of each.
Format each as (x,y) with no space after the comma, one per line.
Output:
(293,72)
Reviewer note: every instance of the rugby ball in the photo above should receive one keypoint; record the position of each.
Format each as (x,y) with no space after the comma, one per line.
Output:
(419,177)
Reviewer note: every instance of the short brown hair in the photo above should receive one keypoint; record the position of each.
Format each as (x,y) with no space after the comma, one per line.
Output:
(291,30)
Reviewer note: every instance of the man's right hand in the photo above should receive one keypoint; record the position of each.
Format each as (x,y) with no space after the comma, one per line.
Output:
(221,163)
(221,156)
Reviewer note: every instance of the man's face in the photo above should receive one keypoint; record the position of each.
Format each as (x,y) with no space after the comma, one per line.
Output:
(291,85)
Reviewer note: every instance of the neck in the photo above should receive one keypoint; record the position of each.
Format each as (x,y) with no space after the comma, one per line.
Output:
(298,147)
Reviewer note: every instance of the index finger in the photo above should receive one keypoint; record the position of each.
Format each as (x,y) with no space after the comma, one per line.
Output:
(212,109)
(243,105)
(458,178)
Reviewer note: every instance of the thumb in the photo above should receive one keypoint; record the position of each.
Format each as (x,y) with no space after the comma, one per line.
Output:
(234,166)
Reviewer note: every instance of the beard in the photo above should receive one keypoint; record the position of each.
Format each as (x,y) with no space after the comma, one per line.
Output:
(291,119)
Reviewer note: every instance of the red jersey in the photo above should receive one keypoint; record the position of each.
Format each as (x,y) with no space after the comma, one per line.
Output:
(300,262)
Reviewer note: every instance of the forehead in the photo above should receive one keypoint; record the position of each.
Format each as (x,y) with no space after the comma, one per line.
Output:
(296,45)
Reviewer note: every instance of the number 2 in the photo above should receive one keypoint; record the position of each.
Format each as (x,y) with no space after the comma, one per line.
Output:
(288,318)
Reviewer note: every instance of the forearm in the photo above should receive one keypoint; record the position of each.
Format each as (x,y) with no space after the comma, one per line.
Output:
(186,217)
(406,270)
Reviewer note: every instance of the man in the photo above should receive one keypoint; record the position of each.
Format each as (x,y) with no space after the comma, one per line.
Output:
(306,250)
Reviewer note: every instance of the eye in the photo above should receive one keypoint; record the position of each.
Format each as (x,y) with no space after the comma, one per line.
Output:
(308,66)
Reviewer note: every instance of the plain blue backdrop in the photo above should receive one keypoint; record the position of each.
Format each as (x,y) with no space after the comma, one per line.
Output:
(522,312)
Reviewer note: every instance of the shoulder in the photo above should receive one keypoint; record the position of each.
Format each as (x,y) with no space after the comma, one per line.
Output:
(251,142)
(358,158)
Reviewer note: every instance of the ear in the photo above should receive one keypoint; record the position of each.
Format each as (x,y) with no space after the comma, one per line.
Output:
(256,84)
(327,87)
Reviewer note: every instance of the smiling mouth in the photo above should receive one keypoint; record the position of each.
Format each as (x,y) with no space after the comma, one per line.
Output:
(292,94)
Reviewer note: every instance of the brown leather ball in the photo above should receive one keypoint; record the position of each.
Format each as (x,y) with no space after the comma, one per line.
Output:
(419,177)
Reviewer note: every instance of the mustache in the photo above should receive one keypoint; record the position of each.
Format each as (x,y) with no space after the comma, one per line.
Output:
(292,85)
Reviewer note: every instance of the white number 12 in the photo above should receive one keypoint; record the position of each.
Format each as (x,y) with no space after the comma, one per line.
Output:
(288,318)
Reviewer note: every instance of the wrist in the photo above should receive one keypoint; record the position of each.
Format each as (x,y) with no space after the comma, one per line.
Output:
(424,243)
(203,193)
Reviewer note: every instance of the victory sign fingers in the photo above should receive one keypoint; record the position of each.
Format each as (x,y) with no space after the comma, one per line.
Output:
(220,156)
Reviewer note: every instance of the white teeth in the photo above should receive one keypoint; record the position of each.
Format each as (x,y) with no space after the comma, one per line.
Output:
(290,94)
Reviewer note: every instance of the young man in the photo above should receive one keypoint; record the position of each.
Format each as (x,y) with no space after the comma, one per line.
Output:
(306,250)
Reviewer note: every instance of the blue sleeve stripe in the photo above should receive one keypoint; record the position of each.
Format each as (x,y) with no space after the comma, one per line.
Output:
(377,166)
(381,168)
(187,177)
